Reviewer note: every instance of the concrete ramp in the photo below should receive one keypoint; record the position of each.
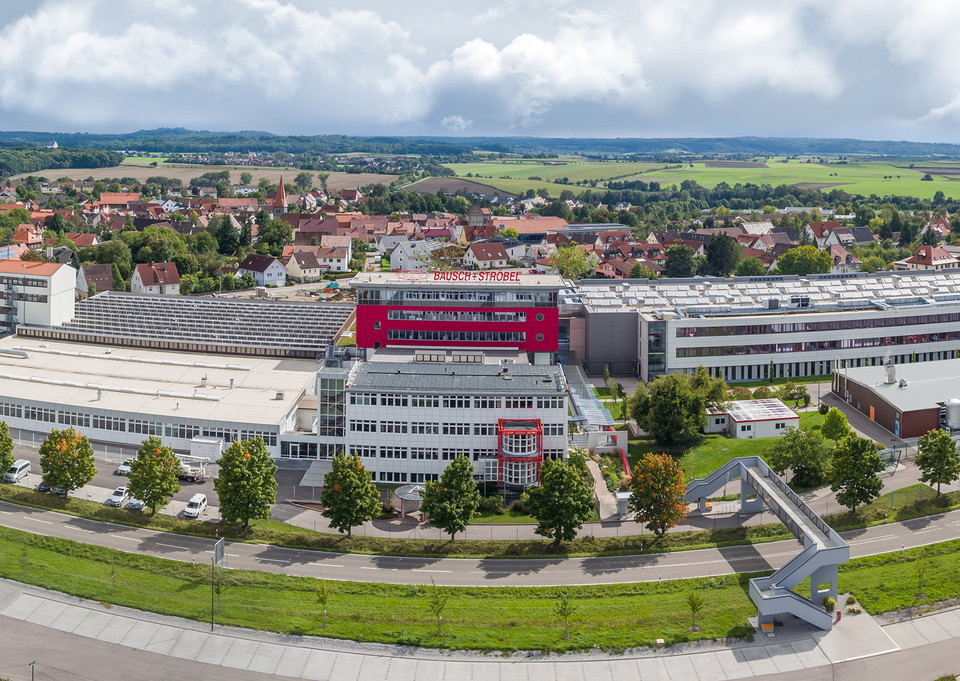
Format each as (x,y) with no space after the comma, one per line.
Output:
(823,549)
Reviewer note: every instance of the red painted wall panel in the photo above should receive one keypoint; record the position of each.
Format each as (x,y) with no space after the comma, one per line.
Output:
(368,336)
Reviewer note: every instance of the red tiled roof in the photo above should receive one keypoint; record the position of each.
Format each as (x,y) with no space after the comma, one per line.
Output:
(159,274)
(43,269)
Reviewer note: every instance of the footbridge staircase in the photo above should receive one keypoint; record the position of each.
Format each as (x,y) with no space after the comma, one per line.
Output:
(823,549)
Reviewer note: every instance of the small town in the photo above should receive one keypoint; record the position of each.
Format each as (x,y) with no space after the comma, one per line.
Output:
(514,343)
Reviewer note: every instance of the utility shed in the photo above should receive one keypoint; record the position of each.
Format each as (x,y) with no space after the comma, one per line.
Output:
(752,418)
(906,399)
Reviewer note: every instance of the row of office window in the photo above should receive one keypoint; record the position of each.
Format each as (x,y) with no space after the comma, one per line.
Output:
(842,344)
(455,316)
(801,326)
(430,428)
(453,401)
(458,336)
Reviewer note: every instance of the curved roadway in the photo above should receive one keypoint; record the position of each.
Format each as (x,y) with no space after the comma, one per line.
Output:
(472,572)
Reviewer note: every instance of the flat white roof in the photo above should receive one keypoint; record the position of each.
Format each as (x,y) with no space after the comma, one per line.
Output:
(153,383)
(770,409)
(925,384)
(714,297)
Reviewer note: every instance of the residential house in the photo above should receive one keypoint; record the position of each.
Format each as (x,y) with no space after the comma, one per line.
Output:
(266,270)
(101,276)
(414,255)
(303,267)
(156,278)
(927,258)
(821,234)
(485,256)
(842,260)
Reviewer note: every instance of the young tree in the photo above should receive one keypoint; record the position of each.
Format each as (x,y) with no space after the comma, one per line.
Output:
(657,492)
(451,502)
(791,391)
(564,499)
(669,409)
(606,375)
(324,593)
(695,601)
(153,475)
(66,459)
(938,459)
(6,447)
(246,484)
(854,470)
(323,177)
(835,425)
(565,608)
(802,451)
(437,604)
(349,497)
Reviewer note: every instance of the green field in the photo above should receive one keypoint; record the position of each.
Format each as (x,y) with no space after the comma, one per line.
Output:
(144,161)
(855,177)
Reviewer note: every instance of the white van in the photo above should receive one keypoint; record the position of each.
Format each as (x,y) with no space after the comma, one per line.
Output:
(18,470)
(196,506)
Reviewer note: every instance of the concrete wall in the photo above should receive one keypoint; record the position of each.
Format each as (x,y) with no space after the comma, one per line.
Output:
(611,339)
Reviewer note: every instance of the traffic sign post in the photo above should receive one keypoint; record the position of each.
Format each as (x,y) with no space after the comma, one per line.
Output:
(214,562)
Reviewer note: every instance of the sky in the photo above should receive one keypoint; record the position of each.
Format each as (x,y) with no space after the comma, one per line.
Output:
(868,69)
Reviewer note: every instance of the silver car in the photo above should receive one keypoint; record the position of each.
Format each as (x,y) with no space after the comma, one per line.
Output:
(119,496)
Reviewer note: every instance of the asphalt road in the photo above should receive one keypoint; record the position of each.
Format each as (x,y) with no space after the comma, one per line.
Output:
(472,572)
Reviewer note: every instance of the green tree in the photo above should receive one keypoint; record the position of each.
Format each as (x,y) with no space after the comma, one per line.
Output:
(750,267)
(606,375)
(680,262)
(349,497)
(571,261)
(564,499)
(641,271)
(565,608)
(695,601)
(246,484)
(657,492)
(451,502)
(438,604)
(803,452)
(66,459)
(791,391)
(723,253)
(324,593)
(303,180)
(153,475)
(323,177)
(835,426)
(246,177)
(669,409)
(6,447)
(804,260)
(938,459)
(853,473)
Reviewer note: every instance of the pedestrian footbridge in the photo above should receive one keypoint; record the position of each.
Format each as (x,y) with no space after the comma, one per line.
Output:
(823,549)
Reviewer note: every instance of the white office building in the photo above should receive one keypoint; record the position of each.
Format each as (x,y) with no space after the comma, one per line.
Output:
(409,413)
(40,293)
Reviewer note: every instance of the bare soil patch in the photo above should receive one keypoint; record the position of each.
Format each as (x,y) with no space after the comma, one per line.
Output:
(452,185)
(735,164)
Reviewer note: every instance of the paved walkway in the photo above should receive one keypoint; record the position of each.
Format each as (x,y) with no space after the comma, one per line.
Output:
(795,651)
(606,500)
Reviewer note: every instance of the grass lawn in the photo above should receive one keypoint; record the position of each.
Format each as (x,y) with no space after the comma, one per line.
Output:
(484,618)
(511,517)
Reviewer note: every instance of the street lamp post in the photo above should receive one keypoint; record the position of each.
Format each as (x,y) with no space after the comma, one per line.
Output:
(32,665)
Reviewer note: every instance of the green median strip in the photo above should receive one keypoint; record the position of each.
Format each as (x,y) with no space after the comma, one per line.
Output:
(609,617)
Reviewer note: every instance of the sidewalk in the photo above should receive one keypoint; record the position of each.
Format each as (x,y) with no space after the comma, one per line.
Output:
(794,648)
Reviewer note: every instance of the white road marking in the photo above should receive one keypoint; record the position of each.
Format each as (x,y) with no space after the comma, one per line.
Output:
(419,570)
(174,546)
(37,520)
(117,536)
(325,565)
(274,560)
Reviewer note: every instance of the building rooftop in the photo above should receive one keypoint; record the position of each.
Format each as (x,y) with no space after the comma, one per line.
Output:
(157,384)
(770,409)
(460,278)
(714,297)
(459,378)
(925,384)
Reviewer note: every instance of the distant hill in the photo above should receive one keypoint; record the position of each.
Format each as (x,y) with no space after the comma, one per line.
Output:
(169,140)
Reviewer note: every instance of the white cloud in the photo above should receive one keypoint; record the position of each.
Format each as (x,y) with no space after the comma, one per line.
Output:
(614,68)
(455,124)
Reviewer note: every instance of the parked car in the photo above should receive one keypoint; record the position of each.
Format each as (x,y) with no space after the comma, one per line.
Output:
(119,496)
(124,468)
(196,506)
(43,487)
(18,470)
(135,505)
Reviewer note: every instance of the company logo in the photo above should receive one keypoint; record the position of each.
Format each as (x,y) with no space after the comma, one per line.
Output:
(477,276)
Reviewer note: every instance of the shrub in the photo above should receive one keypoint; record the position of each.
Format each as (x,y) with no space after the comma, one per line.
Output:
(761,393)
(829,603)
(491,504)
(823,408)
(851,599)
